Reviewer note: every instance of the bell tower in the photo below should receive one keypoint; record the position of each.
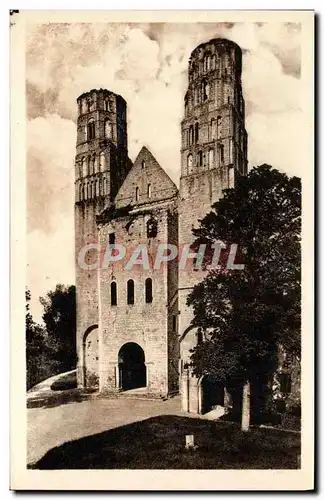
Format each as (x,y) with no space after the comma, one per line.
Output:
(101,165)
(213,143)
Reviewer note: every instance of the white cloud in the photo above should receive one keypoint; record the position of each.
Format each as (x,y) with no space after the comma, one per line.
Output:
(147,65)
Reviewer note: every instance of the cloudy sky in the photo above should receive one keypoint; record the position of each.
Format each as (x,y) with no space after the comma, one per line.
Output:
(147,65)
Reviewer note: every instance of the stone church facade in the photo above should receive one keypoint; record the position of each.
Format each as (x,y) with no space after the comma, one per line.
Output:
(133,325)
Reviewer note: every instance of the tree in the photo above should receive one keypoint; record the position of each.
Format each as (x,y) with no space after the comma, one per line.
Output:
(39,350)
(246,314)
(60,322)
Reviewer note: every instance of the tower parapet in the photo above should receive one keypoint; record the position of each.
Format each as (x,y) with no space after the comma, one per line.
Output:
(213,133)
(101,149)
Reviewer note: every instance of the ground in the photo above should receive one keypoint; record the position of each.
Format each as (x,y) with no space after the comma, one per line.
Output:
(138,433)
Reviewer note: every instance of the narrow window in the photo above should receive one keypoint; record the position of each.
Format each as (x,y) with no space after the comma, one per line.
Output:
(108,129)
(149,191)
(106,104)
(213,128)
(80,192)
(113,293)
(84,167)
(200,158)
(112,238)
(91,130)
(189,161)
(136,194)
(174,323)
(94,164)
(148,291)
(102,162)
(143,164)
(191,134)
(219,128)
(205,91)
(221,152)
(196,132)
(130,292)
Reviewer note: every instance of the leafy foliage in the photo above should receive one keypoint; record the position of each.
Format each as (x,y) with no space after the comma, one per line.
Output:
(60,322)
(246,314)
(50,349)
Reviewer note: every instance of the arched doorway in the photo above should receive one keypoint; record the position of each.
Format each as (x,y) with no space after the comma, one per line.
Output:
(91,357)
(212,393)
(131,364)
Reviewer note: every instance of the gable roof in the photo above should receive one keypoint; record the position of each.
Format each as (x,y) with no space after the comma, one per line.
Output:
(146,182)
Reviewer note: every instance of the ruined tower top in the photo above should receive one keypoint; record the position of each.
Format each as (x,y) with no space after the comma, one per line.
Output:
(219,55)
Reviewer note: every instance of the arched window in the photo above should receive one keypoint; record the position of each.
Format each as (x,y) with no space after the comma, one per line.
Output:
(189,161)
(102,162)
(213,129)
(148,291)
(208,63)
(200,159)
(196,132)
(149,190)
(108,129)
(89,165)
(221,152)
(88,105)
(143,164)
(191,134)
(136,194)
(130,292)
(106,104)
(84,167)
(113,293)
(94,164)
(205,90)
(219,127)
(91,132)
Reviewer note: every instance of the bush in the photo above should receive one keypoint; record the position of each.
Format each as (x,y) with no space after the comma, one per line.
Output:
(64,383)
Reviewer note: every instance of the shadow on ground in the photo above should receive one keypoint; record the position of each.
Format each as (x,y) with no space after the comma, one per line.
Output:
(55,398)
(159,443)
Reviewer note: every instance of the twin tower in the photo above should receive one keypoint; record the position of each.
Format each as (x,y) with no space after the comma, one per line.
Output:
(133,326)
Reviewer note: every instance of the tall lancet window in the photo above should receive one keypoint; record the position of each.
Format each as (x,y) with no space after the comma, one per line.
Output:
(189,162)
(130,292)
(148,291)
(108,129)
(102,162)
(95,163)
(91,133)
(84,167)
(213,129)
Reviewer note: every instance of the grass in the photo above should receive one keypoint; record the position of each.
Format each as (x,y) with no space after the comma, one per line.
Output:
(159,443)
(66,382)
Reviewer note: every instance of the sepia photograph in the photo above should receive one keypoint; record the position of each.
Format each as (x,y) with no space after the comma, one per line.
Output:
(166,313)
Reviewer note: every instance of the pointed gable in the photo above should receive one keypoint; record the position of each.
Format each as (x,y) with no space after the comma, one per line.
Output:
(146,182)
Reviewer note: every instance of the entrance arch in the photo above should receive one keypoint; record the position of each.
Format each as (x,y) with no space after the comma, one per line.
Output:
(91,357)
(212,393)
(131,365)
